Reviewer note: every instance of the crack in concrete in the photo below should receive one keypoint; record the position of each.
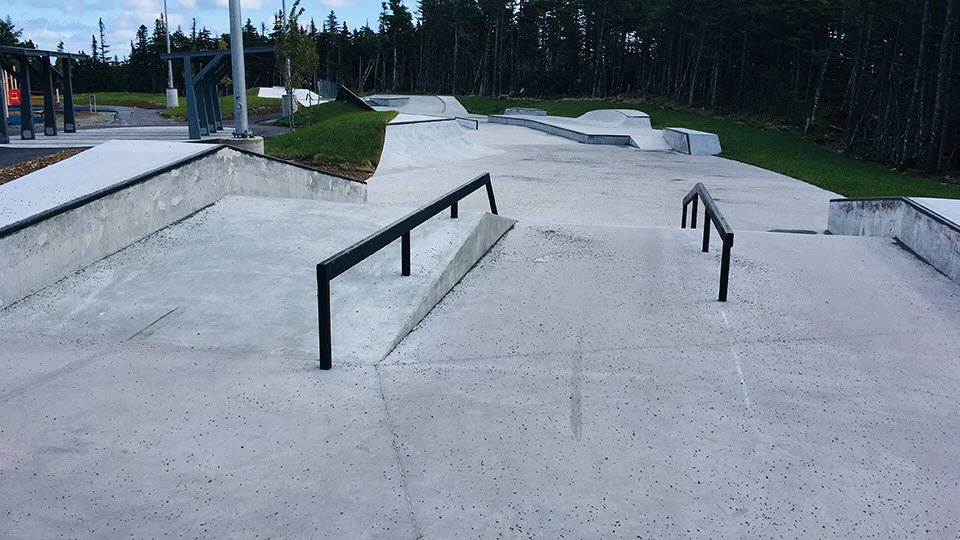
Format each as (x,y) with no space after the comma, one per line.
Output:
(47,377)
(576,394)
(146,331)
(396,451)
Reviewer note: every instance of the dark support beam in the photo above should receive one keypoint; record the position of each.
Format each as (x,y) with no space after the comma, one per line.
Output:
(26,106)
(211,93)
(198,90)
(69,118)
(4,136)
(217,113)
(193,123)
(49,107)
(204,113)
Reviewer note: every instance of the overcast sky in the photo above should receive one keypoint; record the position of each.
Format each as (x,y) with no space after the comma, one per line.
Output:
(47,22)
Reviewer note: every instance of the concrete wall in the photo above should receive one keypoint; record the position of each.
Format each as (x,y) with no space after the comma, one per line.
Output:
(866,217)
(935,240)
(52,249)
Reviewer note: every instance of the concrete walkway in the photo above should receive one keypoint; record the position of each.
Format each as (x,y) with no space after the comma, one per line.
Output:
(580,382)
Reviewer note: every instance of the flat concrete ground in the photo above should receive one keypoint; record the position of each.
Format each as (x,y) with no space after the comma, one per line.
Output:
(580,382)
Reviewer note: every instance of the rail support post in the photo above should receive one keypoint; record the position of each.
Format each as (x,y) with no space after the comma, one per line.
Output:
(454,210)
(683,218)
(490,197)
(706,231)
(724,270)
(693,214)
(323,317)
(405,254)
(26,104)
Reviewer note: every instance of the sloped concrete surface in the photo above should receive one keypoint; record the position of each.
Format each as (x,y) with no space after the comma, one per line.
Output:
(446,106)
(240,275)
(416,141)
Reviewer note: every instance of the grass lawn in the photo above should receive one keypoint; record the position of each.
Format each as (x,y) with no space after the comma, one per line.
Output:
(123,99)
(783,152)
(255,105)
(337,137)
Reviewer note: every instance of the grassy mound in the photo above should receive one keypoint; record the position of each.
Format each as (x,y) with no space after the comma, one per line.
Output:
(784,152)
(336,137)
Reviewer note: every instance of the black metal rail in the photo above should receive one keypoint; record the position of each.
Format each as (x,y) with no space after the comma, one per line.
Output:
(710,213)
(353,255)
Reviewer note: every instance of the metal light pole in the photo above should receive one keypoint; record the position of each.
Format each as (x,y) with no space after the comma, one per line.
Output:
(172,99)
(240,126)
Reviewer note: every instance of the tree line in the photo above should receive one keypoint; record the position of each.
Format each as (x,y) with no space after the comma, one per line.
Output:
(875,78)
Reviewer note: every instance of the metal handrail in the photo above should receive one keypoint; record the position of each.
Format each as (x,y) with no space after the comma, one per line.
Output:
(353,255)
(710,213)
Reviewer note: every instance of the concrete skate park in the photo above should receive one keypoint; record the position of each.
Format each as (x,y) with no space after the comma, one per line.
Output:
(556,363)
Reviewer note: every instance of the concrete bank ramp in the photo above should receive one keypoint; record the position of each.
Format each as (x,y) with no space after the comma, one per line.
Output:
(64,217)
(241,275)
(446,106)
(414,141)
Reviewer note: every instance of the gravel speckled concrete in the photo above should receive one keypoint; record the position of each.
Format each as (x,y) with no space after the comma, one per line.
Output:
(580,382)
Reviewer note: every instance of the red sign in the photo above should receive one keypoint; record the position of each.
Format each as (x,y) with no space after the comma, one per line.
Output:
(14,96)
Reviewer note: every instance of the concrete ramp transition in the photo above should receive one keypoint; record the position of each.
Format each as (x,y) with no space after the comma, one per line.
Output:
(414,141)
(447,106)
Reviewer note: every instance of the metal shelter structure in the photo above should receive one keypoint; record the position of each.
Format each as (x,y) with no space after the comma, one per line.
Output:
(20,67)
(201,72)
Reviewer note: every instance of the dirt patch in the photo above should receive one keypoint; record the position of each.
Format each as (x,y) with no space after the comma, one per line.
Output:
(21,169)
(360,174)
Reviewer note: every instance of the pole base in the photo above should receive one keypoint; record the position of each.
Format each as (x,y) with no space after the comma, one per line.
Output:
(172,99)
(288,104)
(251,144)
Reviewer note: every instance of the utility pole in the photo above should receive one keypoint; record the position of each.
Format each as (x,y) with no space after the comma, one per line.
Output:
(240,126)
(172,99)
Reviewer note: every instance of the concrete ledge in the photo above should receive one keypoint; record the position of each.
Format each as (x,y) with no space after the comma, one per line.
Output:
(928,234)
(580,137)
(513,111)
(55,243)
(468,123)
(692,142)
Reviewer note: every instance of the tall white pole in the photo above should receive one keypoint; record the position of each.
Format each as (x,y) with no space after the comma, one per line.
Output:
(240,126)
(172,100)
